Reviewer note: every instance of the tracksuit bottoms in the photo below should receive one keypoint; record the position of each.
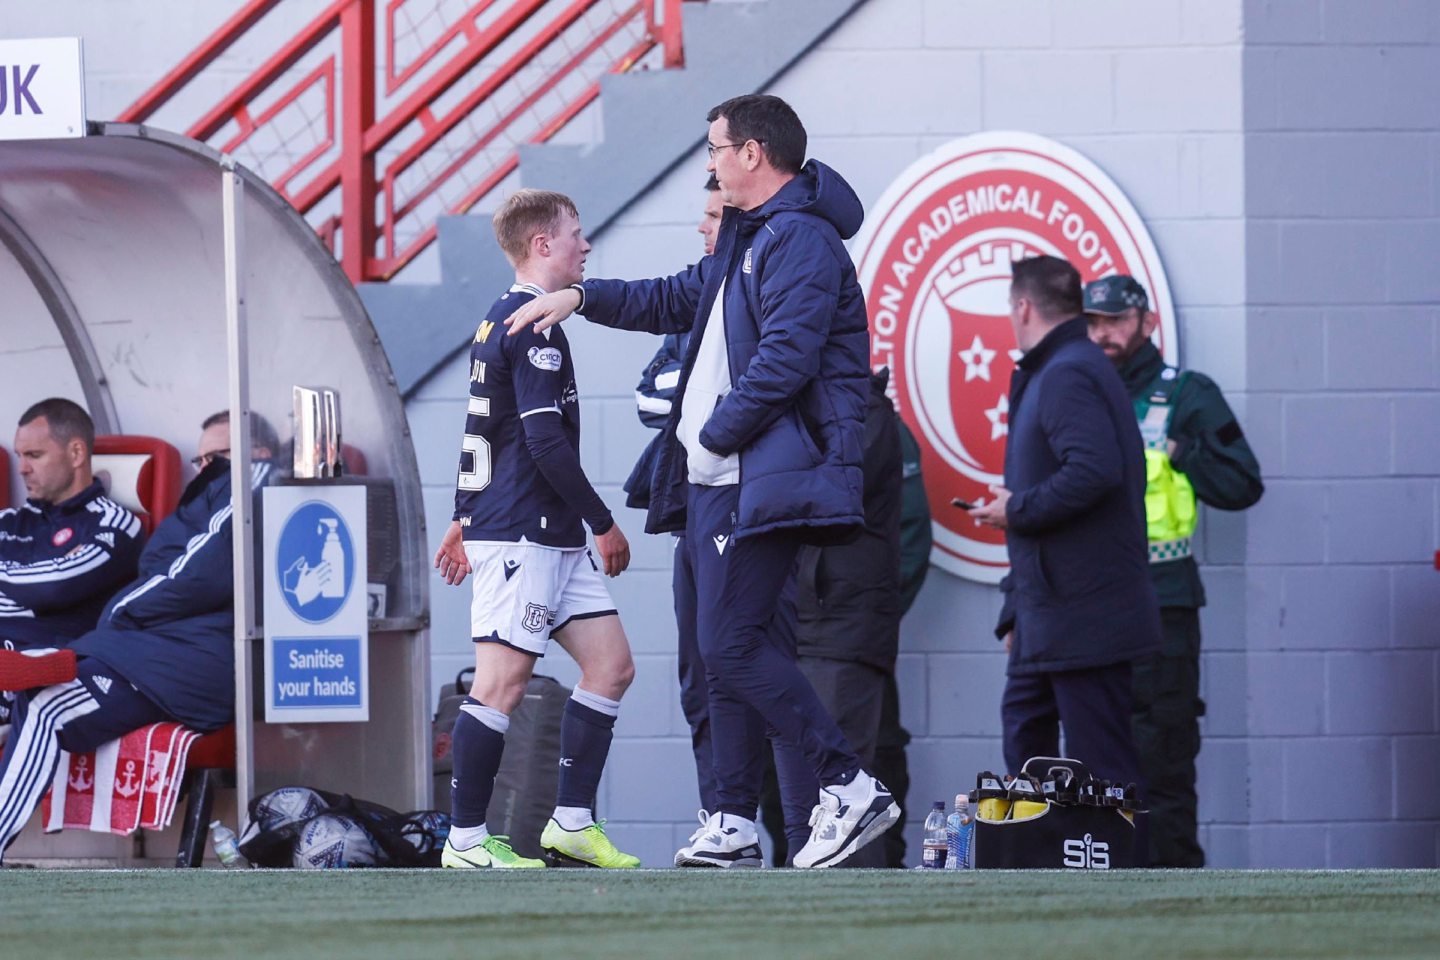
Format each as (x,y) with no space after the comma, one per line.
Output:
(751,676)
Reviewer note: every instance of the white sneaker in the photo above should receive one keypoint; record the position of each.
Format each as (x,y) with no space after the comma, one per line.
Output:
(699,832)
(724,841)
(846,818)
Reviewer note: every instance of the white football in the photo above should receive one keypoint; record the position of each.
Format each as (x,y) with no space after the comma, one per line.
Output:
(333,840)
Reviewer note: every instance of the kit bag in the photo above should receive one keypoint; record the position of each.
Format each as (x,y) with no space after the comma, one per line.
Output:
(305,827)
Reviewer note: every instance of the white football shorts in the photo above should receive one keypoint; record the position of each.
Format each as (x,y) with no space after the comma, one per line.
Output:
(522,593)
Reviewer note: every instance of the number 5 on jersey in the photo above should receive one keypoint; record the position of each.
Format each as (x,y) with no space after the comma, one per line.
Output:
(475,450)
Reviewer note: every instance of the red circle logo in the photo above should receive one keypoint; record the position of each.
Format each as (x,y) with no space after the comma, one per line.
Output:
(934,260)
(62,536)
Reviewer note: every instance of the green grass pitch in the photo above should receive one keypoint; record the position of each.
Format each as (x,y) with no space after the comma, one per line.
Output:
(575,914)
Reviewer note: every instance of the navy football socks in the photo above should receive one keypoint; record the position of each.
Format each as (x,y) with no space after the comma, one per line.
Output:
(585,734)
(477,742)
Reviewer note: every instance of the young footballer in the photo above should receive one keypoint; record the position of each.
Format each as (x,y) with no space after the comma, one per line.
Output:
(520,500)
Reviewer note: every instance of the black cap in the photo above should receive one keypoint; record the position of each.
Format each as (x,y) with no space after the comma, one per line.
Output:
(1112,296)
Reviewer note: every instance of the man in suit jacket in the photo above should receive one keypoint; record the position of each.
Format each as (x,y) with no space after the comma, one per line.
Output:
(1079,604)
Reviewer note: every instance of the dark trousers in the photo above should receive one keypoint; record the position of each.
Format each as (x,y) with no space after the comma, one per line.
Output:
(694,689)
(79,715)
(796,782)
(892,768)
(752,679)
(1168,709)
(854,695)
(1094,708)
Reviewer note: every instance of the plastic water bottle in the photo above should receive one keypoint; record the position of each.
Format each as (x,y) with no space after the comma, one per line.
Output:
(959,828)
(933,851)
(226,847)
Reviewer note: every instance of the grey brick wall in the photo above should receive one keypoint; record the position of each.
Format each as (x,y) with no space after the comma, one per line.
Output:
(1342,210)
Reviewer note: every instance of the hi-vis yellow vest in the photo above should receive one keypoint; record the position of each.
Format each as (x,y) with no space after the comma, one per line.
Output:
(1170,513)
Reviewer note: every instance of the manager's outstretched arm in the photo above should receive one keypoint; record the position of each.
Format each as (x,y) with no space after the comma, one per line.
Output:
(662,305)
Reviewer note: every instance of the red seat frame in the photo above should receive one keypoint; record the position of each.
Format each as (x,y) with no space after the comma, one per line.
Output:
(157,484)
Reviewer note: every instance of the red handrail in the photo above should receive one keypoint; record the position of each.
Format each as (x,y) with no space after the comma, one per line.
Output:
(203,55)
(261,100)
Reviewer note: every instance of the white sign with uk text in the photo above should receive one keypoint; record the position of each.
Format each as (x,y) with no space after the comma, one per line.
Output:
(42,89)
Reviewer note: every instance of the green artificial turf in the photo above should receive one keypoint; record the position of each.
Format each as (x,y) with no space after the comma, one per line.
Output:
(574,914)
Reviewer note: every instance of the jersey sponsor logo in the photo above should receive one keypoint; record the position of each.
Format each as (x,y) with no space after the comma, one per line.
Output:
(934,260)
(62,537)
(103,683)
(477,371)
(106,538)
(536,616)
(482,333)
(545,358)
(570,394)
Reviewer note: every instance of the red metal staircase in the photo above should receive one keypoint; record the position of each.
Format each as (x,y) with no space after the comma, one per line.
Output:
(375,123)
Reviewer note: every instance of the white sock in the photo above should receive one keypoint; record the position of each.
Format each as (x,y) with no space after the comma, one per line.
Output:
(611,708)
(489,716)
(463,838)
(573,818)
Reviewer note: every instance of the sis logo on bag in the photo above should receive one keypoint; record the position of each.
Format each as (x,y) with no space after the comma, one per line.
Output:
(1087,854)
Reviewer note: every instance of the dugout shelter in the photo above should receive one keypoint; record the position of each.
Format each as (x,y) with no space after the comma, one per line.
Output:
(154,281)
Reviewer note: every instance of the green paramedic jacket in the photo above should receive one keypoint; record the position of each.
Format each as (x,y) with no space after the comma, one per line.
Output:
(1211,451)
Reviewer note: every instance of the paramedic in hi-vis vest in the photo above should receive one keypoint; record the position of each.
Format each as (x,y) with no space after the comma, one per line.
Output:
(1194,450)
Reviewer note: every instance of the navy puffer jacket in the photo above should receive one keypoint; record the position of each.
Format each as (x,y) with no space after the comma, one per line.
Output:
(171,633)
(799,349)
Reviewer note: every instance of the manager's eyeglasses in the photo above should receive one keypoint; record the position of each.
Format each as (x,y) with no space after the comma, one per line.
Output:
(203,460)
(712,147)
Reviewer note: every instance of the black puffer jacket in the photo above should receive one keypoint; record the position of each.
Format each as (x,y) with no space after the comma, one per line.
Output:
(848,596)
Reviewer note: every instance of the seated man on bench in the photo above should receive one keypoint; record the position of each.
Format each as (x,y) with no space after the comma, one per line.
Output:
(69,547)
(163,649)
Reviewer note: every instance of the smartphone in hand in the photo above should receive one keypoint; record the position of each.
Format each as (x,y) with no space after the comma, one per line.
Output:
(962,504)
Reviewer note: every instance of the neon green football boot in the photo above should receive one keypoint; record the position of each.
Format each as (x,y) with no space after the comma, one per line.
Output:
(492,852)
(587,847)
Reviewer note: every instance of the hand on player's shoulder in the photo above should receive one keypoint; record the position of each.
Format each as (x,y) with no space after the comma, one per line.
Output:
(544,311)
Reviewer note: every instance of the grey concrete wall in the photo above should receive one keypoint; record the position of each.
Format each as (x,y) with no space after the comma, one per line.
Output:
(1342,195)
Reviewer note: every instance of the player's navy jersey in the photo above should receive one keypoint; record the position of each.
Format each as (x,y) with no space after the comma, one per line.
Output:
(500,494)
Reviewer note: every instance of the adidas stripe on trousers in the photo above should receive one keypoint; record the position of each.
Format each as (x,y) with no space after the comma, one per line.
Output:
(79,715)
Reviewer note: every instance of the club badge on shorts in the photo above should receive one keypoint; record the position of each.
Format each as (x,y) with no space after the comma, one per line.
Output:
(536,616)
(934,262)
